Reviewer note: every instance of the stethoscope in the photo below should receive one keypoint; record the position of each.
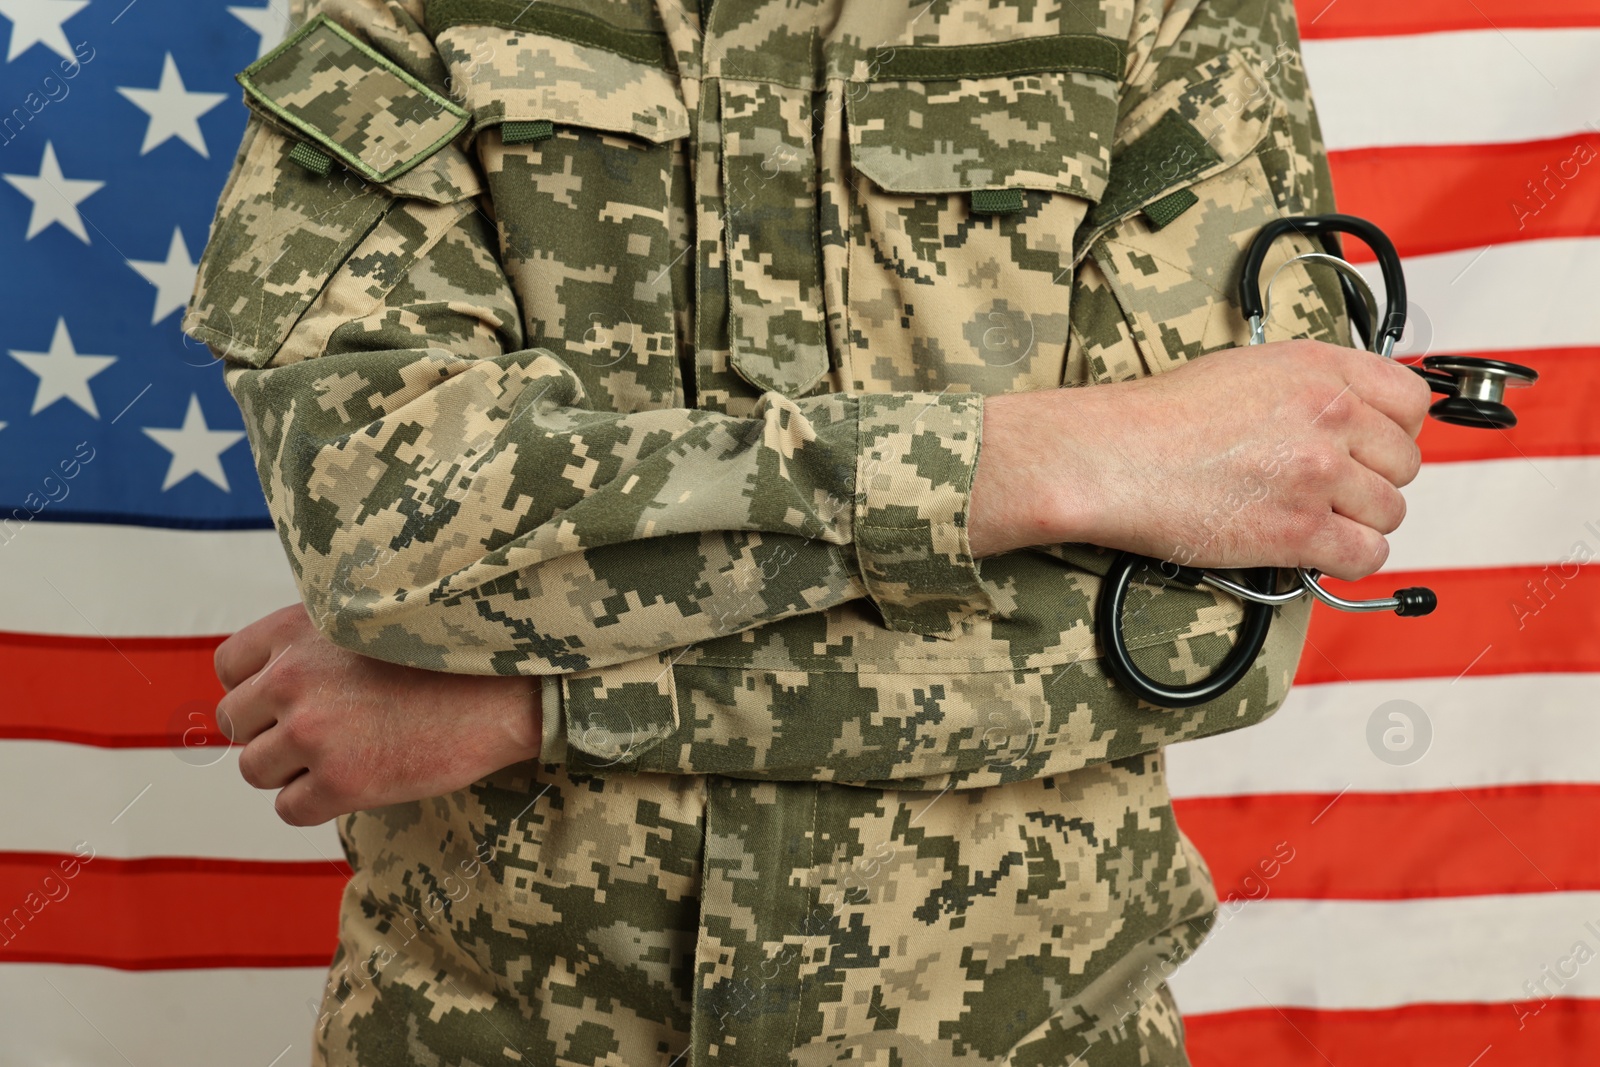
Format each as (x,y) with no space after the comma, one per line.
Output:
(1473,392)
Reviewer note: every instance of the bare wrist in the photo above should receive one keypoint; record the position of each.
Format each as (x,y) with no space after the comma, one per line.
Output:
(1034,484)
(524,725)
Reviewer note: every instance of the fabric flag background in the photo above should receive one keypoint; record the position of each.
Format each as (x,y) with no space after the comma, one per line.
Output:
(1407,851)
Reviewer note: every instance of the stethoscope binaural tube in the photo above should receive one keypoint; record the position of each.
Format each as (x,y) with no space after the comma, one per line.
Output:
(1324,227)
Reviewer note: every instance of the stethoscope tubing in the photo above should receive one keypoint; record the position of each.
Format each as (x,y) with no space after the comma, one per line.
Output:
(1119,660)
(1259,591)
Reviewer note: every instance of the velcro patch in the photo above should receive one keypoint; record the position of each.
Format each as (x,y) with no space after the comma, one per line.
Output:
(352,101)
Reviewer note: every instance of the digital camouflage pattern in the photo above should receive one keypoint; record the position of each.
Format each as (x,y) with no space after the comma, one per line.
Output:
(662,381)
(326,84)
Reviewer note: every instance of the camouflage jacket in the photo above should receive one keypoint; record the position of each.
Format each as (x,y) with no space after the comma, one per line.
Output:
(576,343)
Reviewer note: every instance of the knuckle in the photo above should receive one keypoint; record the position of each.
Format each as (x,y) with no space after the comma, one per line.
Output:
(1306,348)
(301,729)
(1300,530)
(1318,464)
(344,780)
(250,768)
(286,675)
(1379,555)
(289,810)
(1339,409)
(1363,553)
(1412,465)
(1343,361)
(224,717)
(1394,513)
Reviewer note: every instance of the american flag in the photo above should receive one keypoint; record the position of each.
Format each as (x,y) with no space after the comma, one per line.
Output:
(1407,853)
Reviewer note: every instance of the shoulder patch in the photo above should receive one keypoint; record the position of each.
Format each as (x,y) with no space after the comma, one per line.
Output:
(351,101)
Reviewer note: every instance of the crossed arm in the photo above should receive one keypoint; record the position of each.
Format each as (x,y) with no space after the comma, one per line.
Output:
(338,731)
(361,698)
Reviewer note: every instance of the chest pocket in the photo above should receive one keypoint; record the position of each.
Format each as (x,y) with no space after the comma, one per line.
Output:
(1162,251)
(970,168)
(581,132)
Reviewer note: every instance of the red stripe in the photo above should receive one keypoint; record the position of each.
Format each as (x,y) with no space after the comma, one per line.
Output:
(124,692)
(1377,18)
(1419,1035)
(1398,846)
(1502,620)
(1431,199)
(164,913)
(1554,418)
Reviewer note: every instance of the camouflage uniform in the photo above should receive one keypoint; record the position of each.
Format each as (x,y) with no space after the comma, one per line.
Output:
(575,342)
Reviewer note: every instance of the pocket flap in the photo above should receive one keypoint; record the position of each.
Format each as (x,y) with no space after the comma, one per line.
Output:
(280,231)
(1030,114)
(1184,133)
(351,102)
(540,77)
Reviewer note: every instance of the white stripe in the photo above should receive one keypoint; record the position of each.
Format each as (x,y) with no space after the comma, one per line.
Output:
(1527,511)
(1470,87)
(1353,955)
(96,1017)
(94,580)
(1488,731)
(144,802)
(1528,294)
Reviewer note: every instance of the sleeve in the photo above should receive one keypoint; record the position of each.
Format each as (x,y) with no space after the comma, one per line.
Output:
(1192,34)
(452,500)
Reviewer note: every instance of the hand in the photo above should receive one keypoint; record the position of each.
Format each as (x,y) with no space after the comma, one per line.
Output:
(1289,454)
(338,732)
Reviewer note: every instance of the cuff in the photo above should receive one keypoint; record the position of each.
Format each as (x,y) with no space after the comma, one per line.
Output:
(917,456)
(553,724)
(615,713)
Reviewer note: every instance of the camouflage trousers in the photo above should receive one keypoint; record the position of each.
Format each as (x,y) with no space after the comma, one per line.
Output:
(644,920)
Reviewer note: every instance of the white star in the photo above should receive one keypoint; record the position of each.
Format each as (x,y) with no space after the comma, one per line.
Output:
(270,22)
(195,448)
(174,279)
(63,372)
(173,110)
(55,198)
(39,22)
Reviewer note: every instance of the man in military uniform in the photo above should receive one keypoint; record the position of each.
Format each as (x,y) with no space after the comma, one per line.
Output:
(688,685)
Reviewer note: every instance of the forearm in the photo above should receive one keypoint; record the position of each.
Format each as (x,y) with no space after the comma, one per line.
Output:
(556,538)
(1024,494)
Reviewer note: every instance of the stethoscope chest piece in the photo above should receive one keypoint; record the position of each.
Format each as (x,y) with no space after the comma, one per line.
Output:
(1479,389)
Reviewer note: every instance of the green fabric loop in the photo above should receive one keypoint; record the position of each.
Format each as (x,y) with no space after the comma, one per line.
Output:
(312,159)
(996,201)
(526,132)
(1169,207)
